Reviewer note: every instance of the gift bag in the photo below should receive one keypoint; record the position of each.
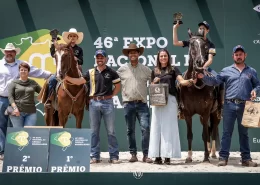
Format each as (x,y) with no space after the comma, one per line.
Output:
(251,115)
(158,94)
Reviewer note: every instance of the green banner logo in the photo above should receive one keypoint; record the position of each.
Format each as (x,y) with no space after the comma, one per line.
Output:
(20,139)
(62,139)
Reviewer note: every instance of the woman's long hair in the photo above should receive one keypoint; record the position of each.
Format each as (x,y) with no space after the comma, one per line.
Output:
(158,64)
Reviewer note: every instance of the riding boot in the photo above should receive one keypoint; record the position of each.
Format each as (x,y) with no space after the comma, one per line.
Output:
(220,100)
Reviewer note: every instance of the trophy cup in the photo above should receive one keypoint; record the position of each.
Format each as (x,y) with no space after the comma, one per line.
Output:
(177,17)
(54,35)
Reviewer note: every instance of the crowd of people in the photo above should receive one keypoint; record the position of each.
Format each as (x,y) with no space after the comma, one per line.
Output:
(160,132)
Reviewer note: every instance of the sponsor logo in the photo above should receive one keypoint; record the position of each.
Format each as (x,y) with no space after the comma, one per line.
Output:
(62,139)
(20,139)
(138,175)
(257,41)
(257,8)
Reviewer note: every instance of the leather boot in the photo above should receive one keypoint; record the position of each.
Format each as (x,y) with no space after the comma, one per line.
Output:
(167,161)
(133,158)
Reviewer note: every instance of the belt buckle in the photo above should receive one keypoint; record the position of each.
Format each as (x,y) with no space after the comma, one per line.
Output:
(100,99)
(237,101)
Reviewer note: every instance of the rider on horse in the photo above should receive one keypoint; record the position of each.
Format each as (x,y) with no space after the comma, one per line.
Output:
(211,51)
(75,38)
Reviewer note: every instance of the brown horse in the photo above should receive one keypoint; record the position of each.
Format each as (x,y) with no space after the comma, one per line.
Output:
(199,99)
(69,98)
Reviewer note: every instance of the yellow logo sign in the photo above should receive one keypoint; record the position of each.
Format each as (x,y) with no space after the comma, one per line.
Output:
(20,139)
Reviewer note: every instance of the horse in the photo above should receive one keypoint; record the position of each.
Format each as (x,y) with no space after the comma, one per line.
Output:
(199,99)
(69,98)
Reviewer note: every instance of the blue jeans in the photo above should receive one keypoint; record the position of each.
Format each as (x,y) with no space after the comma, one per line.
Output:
(141,112)
(4,102)
(233,112)
(52,84)
(97,110)
(25,119)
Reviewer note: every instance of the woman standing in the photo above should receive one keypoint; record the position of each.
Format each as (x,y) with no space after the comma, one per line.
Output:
(164,135)
(21,98)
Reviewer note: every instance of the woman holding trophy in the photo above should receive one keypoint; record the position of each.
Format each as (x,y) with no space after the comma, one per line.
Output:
(164,134)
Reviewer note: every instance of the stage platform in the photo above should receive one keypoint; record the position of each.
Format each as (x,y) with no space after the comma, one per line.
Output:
(177,173)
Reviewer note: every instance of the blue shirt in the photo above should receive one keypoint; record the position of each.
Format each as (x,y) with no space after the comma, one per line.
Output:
(10,71)
(237,85)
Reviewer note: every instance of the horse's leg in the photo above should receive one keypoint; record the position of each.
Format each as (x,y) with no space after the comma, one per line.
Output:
(55,118)
(188,120)
(214,120)
(205,136)
(48,116)
(62,118)
(79,117)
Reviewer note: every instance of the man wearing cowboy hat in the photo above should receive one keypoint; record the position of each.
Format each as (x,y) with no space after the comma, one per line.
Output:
(210,53)
(9,70)
(134,77)
(74,38)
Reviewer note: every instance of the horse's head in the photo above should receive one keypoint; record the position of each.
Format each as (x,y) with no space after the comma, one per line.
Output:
(197,50)
(65,62)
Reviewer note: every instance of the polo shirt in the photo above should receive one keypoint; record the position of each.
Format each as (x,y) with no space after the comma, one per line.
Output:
(103,82)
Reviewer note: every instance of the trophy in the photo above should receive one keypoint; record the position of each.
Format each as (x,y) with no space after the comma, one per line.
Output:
(177,17)
(54,35)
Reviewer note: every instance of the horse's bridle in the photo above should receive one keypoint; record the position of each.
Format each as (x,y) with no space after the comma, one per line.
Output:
(194,72)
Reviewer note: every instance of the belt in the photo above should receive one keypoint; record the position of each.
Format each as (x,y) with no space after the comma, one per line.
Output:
(3,96)
(100,97)
(236,101)
(134,101)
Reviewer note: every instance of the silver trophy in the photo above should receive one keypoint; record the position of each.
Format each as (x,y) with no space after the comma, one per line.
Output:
(177,17)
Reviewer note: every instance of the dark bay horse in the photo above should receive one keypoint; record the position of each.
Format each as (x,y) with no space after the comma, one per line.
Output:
(199,99)
(70,98)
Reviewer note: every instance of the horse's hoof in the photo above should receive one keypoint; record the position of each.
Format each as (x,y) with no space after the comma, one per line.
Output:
(206,161)
(214,156)
(188,160)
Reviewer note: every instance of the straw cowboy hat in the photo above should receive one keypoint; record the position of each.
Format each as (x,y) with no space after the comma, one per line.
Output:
(11,47)
(72,30)
(133,47)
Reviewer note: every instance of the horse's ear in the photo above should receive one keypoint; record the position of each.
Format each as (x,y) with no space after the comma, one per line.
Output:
(201,32)
(189,32)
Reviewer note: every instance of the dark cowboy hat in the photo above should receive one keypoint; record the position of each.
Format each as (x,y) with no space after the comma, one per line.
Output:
(133,47)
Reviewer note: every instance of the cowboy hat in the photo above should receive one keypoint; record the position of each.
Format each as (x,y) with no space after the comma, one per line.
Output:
(11,47)
(72,30)
(133,47)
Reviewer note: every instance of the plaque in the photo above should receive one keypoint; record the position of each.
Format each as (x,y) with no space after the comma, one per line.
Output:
(26,150)
(158,94)
(69,150)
